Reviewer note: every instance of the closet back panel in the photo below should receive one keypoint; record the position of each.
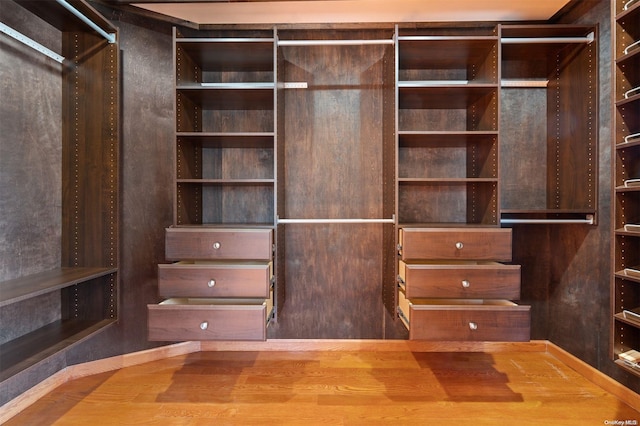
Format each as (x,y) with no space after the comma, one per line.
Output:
(333,169)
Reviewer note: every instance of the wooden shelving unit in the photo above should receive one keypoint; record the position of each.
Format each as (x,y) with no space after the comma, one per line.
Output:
(225,131)
(625,287)
(448,88)
(549,123)
(224,194)
(86,284)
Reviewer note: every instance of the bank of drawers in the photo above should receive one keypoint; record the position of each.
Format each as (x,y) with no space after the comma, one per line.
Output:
(219,288)
(452,286)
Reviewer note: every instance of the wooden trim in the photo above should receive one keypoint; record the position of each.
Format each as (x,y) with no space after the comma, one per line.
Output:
(595,376)
(29,397)
(373,345)
(78,371)
(131,359)
(73,372)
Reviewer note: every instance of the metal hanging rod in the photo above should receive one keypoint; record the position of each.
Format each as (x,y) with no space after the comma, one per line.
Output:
(31,43)
(316,221)
(333,42)
(442,38)
(111,38)
(589,220)
(523,40)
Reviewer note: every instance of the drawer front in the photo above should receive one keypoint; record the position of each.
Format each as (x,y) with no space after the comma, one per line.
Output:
(455,244)
(188,279)
(179,321)
(211,244)
(462,280)
(470,322)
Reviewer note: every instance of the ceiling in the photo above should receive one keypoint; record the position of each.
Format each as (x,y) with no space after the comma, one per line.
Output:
(353,11)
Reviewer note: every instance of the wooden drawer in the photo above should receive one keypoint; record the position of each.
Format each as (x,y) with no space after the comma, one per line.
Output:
(214,243)
(475,280)
(209,319)
(464,320)
(215,279)
(455,243)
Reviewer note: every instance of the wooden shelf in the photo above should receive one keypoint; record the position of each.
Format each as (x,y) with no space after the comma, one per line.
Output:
(620,317)
(28,350)
(228,139)
(232,98)
(229,53)
(19,289)
(630,14)
(445,96)
(623,365)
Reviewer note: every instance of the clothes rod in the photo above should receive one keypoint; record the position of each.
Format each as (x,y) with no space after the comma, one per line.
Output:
(523,40)
(31,43)
(589,220)
(313,221)
(333,42)
(111,38)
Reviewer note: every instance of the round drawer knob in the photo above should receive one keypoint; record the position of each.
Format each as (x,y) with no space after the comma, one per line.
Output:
(473,326)
(211,283)
(459,245)
(466,284)
(217,245)
(204,325)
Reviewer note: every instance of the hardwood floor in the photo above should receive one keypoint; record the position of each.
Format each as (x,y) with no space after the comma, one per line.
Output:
(334,388)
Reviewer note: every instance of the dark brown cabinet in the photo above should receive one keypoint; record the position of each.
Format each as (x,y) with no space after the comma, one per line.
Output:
(625,288)
(80,295)
(342,143)
(450,284)
(221,285)
(221,291)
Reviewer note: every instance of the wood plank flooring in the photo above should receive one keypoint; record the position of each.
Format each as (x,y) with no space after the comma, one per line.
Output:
(334,388)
